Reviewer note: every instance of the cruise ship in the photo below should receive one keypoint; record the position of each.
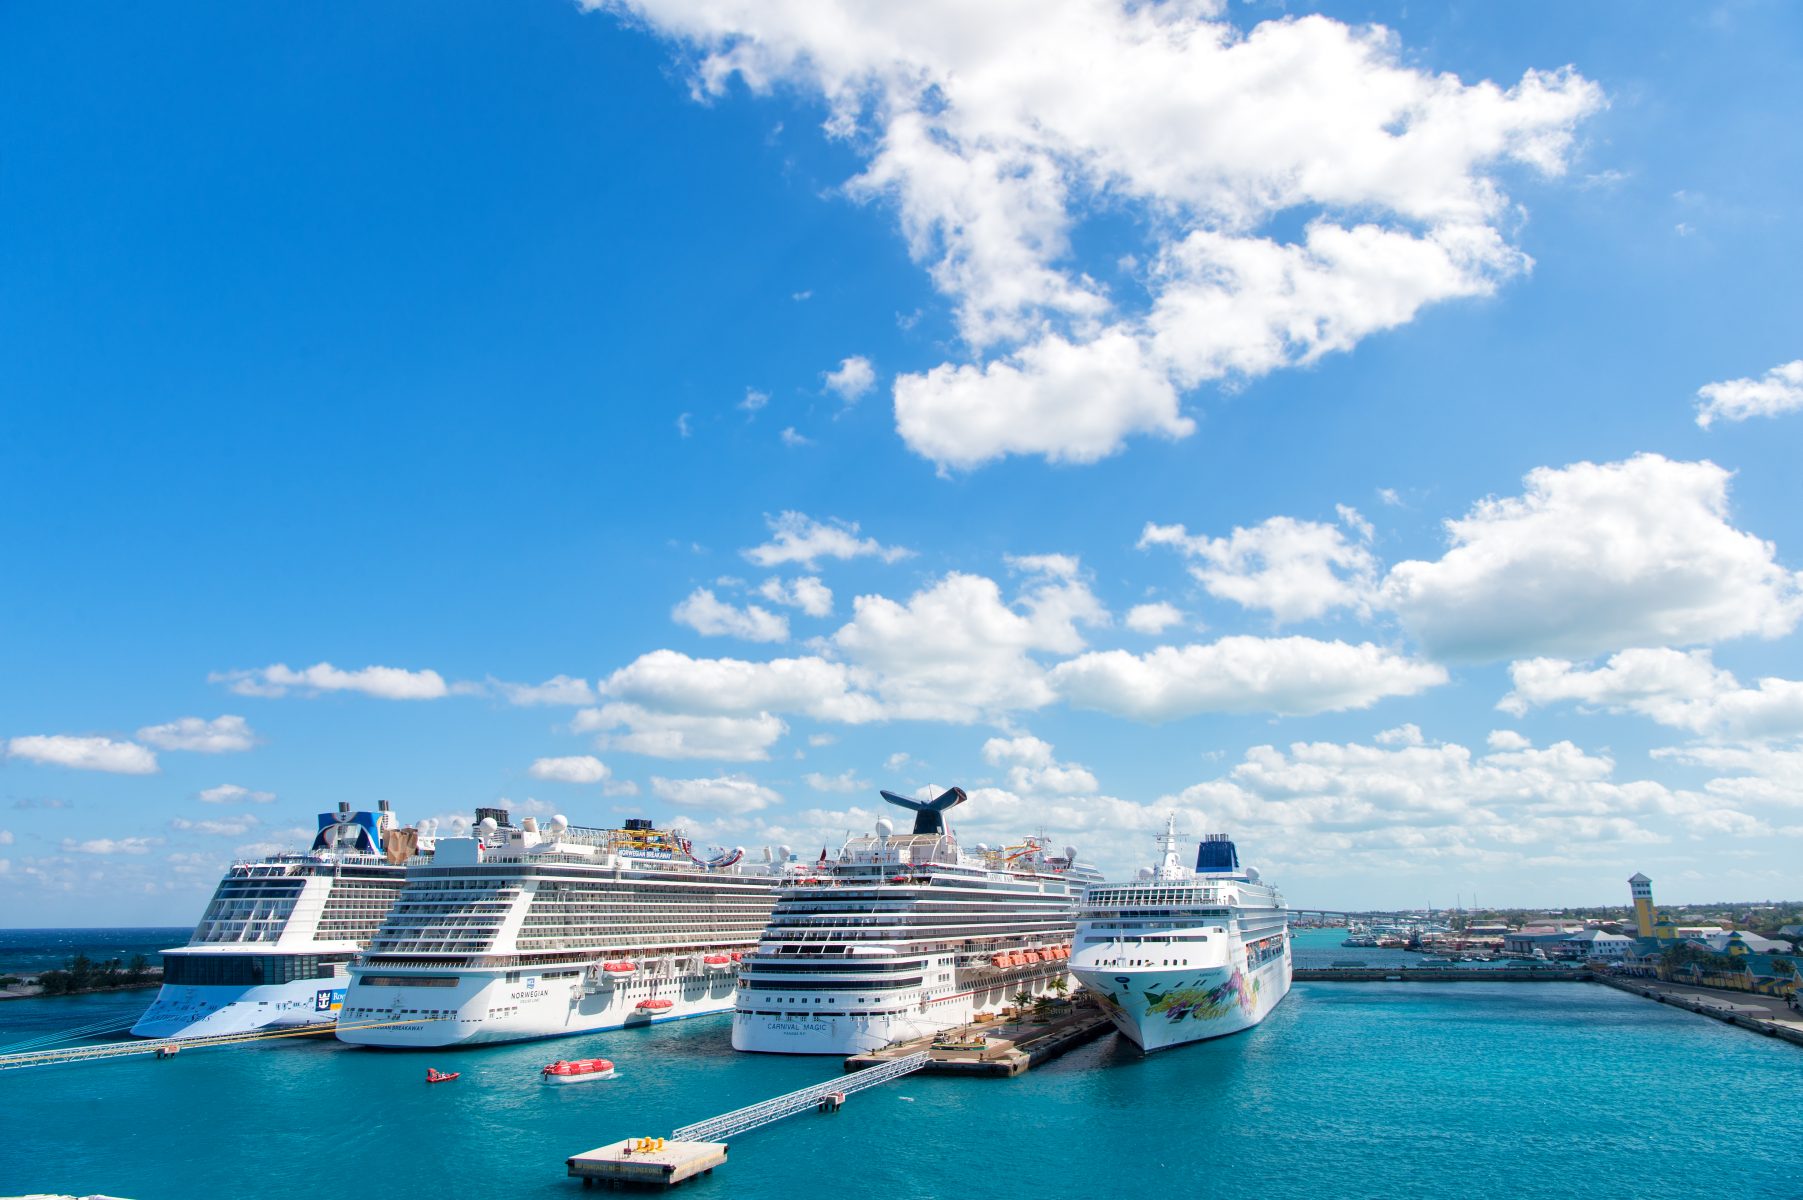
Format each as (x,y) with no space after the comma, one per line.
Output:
(528,932)
(907,934)
(273,945)
(1181,955)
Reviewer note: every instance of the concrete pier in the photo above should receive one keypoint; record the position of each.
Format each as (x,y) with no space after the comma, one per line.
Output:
(618,1164)
(1009,1047)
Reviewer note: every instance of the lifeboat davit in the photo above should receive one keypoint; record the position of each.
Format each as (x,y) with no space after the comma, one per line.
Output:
(579,1070)
(619,968)
(655,1004)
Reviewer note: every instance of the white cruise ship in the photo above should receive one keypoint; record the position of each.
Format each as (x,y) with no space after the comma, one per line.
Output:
(1181,955)
(272,947)
(517,933)
(905,935)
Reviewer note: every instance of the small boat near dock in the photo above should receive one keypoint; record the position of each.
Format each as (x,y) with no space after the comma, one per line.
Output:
(580,1070)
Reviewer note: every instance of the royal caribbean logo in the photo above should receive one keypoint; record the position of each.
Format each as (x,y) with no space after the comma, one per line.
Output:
(328,1000)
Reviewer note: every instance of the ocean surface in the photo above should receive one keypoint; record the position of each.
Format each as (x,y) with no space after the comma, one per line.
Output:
(1400,1091)
(28,951)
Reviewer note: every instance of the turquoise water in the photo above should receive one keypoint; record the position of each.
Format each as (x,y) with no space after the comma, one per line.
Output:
(28,951)
(1366,1090)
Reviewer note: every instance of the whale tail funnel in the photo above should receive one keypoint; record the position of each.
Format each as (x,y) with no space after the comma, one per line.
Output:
(929,815)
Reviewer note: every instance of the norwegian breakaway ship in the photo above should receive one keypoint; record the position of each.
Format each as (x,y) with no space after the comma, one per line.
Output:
(904,935)
(1179,955)
(272,947)
(517,933)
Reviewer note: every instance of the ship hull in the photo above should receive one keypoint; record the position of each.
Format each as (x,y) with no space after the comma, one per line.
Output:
(203,1010)
(487,1008)
(853,1032)
(1161,1009)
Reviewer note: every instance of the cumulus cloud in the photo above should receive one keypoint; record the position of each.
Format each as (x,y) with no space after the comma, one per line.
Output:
(130,845)
(754,400)
(236,826)
(733,794)
(710,616)
(639,730)
(813,686)
(1778,391)
(84,753)
(1292,676)
(1033,770)
(1753,774)
(798,538)
(579,768)
(1682,690)
(1594,558)
(845,781)
(1295,570)
(993,128)
(1153,619)
(384,683)
(806,593)
(557,690)
(231,793)
(853,379)
(222,735)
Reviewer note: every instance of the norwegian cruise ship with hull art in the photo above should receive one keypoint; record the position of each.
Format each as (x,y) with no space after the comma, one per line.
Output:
(904,935)
(273,946)
(1181,955)
(524,933)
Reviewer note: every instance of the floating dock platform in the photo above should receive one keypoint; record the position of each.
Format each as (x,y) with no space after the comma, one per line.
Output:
(1007,1047)
(617,1164)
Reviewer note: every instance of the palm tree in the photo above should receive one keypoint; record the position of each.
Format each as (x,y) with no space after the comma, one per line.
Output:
(1023,1000)
(1059,984)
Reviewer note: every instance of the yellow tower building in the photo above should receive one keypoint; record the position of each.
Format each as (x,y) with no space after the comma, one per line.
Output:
(1644,913)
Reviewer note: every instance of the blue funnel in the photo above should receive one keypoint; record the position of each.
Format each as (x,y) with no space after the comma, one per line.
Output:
(928,816)
(1216,855)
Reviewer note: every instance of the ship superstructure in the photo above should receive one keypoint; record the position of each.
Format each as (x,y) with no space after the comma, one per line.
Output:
(907,934)
(527,932)
(273,946)
(1180,954)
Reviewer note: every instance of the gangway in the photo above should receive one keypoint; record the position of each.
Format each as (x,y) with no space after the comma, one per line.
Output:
(729,1125)
(161,1046)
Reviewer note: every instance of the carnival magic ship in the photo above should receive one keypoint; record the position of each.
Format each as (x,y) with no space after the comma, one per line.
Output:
(529,932)
(1181,955)
(273,946)
(904,935)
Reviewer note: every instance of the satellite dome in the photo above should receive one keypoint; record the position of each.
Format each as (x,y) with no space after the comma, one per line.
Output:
(530,824)
(982,847)
(559,823)
(487,825)
(1145,872)
(1252,874)
(783,852)
(459,826)
(884,827)
(1070,854)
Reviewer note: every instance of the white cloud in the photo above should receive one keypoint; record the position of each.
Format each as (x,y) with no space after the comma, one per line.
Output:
(385,683)
(130,845)
(846,781)
(1507,739)
(793,440)
(853,379)
(1408,734)
(683,428)
(236,826)
(1033,770)
(84,753)
(1753,774)
(1295,570)
(6,837)
(1596,558)
(1681,690)
(1292,676)
(681,735)
(231,793)
(580,768)
(710,616)
(1153,619)
(799,538)
(754,400)
(994,128)
(1778,391)
(734,794)
(806,593)
(897,761)
(557,690)
(222,735)
(815,687)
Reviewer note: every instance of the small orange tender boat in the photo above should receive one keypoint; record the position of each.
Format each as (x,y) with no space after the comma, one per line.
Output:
(434,1075)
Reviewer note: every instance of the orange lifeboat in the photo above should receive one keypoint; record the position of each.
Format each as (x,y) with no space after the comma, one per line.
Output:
(579,1070)
(619,968)
(716,962)
(655,1004)
(434,1075)
(736,956)
(1000,960)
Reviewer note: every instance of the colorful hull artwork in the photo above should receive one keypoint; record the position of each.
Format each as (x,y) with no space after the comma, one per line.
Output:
(1157,1010)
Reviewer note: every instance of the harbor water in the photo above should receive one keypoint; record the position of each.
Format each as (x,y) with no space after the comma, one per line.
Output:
(31,951)
(1382,1090)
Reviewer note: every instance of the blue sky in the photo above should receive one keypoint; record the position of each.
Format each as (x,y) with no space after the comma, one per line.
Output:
(484,347)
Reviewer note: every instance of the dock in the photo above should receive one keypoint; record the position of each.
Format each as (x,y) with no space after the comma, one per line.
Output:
(164,1048)
(1413,974)
(1005,1048)
(697,1149)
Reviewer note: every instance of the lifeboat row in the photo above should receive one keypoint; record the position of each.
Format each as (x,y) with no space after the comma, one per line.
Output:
(717,962)
(1027,958)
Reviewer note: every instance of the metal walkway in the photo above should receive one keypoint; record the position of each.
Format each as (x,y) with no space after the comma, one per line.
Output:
(728,1125)
(70,1054)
